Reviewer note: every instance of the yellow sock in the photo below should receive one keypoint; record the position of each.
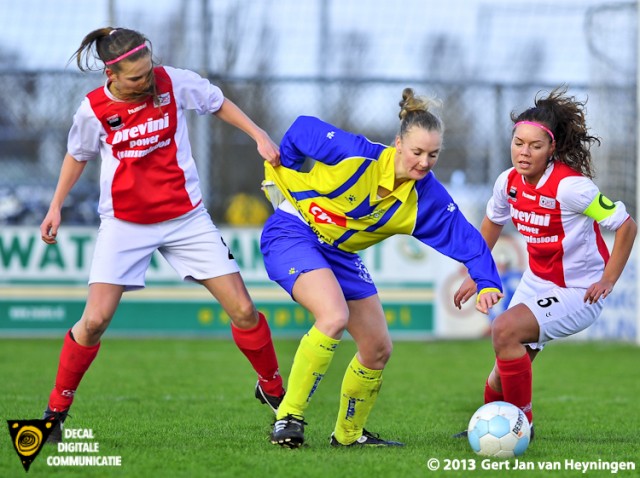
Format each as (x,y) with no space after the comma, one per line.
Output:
(310,363)
(360,388)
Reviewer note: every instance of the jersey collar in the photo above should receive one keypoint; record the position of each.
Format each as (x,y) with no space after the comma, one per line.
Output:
(387,177)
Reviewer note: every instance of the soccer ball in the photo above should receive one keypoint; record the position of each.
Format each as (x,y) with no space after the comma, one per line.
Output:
(499,429)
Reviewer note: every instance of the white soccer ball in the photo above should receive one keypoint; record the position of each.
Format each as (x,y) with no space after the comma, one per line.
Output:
(499,429)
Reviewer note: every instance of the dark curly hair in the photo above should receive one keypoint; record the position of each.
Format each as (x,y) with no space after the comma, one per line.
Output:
(564,116)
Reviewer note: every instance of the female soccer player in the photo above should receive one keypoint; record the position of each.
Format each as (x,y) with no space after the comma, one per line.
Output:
(551,199)
(149,200)
(357,194)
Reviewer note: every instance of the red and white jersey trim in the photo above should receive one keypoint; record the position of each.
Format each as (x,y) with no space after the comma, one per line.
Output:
(564,245)
(148,173)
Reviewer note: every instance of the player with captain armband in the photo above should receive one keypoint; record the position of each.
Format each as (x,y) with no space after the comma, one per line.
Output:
(550,197)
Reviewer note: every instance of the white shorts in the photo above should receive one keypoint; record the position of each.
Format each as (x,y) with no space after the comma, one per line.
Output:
(191,244)
(560,311)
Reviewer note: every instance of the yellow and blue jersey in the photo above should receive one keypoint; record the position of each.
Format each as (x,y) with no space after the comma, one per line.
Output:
(338,197)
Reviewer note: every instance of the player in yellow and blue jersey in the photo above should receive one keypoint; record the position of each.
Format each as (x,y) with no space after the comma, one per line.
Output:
(357,194)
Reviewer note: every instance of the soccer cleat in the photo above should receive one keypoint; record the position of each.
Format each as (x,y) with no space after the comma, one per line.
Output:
(271,400)
(462,434)
(288,432)
(58,418)
(366,439)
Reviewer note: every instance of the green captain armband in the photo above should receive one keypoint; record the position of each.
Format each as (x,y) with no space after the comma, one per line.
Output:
(600,208)
(485,290)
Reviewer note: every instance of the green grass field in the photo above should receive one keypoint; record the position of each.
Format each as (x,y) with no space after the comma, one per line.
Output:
(173,408)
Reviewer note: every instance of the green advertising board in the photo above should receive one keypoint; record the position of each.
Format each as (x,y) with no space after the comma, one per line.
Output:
(43,288)
(55,310)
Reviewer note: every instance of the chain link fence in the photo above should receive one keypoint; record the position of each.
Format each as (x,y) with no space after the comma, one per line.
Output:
(346,85)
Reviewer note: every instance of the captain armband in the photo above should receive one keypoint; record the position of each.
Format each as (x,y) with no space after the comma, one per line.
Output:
(600,208)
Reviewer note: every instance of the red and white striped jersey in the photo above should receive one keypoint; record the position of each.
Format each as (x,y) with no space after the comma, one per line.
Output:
(560,220)
(148,173)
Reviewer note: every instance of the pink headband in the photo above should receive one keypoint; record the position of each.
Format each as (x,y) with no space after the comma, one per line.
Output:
(124,55)
(541,126)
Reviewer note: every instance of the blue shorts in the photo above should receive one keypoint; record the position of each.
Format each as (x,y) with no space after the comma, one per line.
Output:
(290,248)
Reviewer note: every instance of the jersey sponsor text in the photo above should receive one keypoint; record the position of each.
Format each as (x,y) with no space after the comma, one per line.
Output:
(540,240)
(530,217)
(326,217)
(139,153)
(149,126)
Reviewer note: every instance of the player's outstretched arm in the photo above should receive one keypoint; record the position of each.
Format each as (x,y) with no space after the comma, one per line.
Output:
(487,298)
(622,245)
(230,113)
(490,233)
(69,174)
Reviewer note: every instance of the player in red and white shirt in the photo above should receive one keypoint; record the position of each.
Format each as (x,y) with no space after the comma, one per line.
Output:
(150,200)
(552,201)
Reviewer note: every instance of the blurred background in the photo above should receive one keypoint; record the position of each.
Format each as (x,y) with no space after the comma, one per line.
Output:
(346,61)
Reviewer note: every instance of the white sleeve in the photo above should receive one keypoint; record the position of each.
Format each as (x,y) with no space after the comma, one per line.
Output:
(83,141)
(580,194)
(498,206)
(193,92)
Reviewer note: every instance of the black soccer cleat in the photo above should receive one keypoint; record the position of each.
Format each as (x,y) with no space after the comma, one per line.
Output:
(271,400)
(366,439)
(462,434)
(288,432)
(58,418)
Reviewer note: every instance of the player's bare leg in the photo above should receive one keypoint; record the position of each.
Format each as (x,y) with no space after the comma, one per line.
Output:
(102,302)
(251,334)
(320,293)
(80,347)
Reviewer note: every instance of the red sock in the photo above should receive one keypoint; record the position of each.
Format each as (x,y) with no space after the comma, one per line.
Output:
(516,378)
(491,395)
(74,362)
(257,346)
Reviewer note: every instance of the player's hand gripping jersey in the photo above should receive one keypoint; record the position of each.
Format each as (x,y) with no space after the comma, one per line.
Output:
(560,219)
(148,174)
(339,198)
